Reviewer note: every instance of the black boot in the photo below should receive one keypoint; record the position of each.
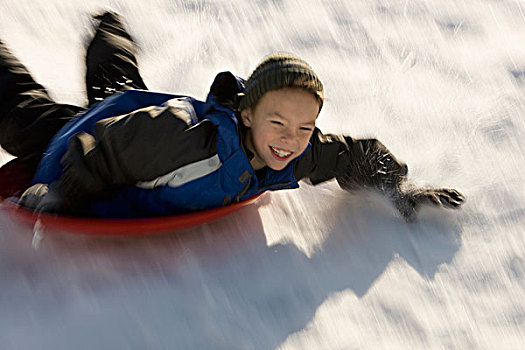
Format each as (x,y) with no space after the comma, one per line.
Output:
(110,60)
(29,117)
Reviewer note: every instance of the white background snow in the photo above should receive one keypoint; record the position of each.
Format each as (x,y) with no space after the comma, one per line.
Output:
(441,83)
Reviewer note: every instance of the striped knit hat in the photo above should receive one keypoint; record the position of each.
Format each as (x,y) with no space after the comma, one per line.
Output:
(280,70)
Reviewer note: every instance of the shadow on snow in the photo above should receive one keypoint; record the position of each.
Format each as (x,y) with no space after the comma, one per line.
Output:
(221,279)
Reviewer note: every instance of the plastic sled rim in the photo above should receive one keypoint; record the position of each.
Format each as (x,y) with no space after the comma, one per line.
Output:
(122,227)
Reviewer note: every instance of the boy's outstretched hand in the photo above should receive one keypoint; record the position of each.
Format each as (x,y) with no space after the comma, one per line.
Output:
(371,165)
(409,201)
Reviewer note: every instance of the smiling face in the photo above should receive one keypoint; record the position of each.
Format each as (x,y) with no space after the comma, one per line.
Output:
(280,126)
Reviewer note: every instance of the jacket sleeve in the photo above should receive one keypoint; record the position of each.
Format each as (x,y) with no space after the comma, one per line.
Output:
(353,162)
(139,146)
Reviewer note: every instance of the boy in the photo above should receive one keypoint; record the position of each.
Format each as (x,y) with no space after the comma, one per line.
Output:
(139,153)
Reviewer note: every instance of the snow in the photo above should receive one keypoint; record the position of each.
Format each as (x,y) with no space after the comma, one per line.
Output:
(441,83)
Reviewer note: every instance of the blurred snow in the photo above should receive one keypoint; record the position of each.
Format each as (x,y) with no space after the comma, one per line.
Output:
(441,83)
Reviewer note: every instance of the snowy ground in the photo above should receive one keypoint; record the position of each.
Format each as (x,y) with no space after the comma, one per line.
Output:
(441,83)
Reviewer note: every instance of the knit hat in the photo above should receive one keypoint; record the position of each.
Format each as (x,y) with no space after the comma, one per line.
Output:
(279,70)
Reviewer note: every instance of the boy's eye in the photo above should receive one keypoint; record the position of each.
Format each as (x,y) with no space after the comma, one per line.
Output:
(276,122)
(305,128)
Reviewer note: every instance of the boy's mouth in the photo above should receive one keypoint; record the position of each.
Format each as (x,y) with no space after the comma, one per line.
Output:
(280,153)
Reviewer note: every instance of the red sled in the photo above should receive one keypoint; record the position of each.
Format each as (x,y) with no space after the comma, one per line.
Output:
(16,177)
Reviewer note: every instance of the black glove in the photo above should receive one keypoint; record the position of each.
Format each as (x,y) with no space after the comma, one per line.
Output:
(43,198)
(408,202)
(371,165)
(32,197)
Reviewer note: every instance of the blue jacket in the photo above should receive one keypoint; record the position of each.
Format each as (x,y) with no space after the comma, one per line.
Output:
(209,165)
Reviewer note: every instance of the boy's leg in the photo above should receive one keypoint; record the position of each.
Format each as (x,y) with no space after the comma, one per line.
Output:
(28,116)
(110,60)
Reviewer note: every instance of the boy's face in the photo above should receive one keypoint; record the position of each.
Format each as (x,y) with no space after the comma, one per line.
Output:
(280,126)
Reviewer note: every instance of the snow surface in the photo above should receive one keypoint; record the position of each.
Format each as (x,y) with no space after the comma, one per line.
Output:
(441,83)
